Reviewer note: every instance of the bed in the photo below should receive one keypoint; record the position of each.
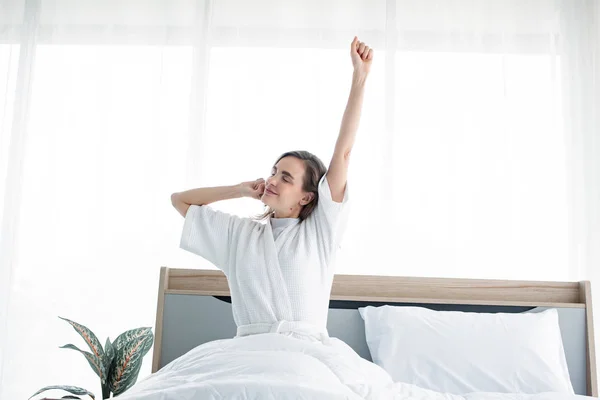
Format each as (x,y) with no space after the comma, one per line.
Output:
(194,319)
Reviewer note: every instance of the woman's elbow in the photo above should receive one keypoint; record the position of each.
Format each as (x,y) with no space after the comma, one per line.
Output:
(181,206)
(174,198)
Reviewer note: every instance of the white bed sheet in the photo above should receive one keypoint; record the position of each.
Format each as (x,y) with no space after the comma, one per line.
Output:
(276,366)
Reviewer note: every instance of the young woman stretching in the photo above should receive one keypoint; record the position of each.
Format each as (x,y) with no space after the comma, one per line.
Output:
(280,273)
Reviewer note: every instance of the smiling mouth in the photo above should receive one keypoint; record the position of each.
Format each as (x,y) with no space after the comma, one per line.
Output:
(271,193)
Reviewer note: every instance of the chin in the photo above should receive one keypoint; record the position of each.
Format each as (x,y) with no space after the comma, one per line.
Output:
(265,200)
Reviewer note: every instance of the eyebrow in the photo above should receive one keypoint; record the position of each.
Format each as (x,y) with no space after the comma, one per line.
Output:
(284,172)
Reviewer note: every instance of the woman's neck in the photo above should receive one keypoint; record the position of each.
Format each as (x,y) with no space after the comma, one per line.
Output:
(292,214)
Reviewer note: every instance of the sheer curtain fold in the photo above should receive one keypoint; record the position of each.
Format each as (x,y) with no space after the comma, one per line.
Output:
(478,152)
(580,27)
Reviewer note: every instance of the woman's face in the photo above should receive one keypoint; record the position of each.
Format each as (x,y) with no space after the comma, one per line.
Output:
(283,190)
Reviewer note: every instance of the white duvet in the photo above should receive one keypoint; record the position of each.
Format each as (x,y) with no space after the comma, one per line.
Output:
(276,366)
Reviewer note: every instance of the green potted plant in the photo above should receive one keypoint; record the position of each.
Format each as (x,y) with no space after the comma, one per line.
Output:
(117,364)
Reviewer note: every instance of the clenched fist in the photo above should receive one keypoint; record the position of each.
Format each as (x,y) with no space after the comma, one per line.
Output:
(362,56)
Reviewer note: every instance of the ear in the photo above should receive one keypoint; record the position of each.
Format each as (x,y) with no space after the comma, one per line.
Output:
(308,197)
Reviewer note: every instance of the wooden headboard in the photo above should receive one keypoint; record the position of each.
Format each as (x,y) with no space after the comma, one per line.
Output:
(414,290)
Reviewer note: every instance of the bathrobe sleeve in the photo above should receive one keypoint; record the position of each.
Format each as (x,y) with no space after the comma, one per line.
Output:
(209,233)
(331,217)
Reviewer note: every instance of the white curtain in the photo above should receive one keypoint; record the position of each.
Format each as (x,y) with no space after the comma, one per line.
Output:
(478,153)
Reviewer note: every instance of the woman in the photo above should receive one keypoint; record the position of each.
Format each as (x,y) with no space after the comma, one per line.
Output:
(280,273)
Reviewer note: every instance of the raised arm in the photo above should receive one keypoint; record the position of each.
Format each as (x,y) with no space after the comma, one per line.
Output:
(362,57)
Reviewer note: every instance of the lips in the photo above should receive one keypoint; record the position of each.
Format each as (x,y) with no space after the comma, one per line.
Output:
(271,192)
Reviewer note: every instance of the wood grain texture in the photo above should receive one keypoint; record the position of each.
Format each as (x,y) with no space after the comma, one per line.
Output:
(162,286)
(592,378)
(408,289)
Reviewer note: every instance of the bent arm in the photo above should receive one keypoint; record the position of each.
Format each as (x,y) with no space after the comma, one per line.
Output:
(202,196)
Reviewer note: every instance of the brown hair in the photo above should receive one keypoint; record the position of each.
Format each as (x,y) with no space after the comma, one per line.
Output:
(314,171)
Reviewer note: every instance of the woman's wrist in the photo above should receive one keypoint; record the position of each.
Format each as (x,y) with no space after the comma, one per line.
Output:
(240,190)
(359,78)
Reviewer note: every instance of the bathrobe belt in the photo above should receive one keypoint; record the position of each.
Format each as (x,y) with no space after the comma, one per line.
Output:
(283,326)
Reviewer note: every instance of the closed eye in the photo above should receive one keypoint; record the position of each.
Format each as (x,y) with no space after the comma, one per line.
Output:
(285,178)
(286,174)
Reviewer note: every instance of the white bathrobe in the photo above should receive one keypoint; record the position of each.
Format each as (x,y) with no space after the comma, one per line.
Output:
(277,285)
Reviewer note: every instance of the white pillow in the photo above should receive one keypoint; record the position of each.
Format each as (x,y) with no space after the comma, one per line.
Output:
(461,352)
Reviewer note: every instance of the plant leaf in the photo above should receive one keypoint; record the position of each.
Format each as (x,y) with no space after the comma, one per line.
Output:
(130,348)
(129,380)
(89,337)
(70,389)
(109,354)
(94,345)
(94,362)
(130,335)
